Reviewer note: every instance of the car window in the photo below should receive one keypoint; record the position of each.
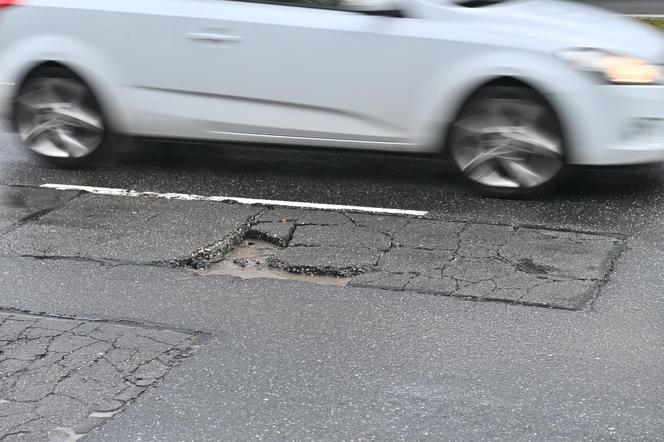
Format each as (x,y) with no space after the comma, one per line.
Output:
(332,4)
(324,4)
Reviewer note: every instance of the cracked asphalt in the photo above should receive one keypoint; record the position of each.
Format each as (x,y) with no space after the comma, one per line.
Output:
(62,378)
(568,348)
(475,260)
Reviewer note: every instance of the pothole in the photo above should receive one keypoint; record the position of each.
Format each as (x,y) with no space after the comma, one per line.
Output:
(249,261)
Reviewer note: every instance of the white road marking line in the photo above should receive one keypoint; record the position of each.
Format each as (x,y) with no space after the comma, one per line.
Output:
(228,199)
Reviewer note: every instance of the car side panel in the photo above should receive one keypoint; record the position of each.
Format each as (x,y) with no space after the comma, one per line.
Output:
(109,44)
(296,72)
(452,85)
(118,45)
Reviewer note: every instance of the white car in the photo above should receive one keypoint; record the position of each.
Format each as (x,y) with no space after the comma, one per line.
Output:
(511,90)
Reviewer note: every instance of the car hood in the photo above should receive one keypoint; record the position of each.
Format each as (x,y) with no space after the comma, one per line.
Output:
(565,24)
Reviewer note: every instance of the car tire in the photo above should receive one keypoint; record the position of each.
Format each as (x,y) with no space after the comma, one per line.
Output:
(58,118)
(507,142)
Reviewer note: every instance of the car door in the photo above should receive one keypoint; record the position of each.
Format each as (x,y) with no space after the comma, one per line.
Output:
(291,72)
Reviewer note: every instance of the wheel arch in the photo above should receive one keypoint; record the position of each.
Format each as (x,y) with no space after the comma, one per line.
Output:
(451,85)
(540,90)
(34,69)
(96,69)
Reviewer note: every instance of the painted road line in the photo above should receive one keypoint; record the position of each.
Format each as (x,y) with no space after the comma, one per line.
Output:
(230,199)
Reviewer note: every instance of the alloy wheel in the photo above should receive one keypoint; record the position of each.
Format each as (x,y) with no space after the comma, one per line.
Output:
(58,117)
(510,143)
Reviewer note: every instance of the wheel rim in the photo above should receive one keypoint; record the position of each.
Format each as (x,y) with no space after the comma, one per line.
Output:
(507,142)
(59,118)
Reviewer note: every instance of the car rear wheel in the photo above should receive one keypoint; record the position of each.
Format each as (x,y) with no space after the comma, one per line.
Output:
(58,118)
(507,142)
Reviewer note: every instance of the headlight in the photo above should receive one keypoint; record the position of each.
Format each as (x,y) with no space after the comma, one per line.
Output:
(613,68)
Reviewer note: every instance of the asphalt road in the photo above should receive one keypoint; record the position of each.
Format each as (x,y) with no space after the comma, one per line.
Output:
(625,195)
(293,360)
(487,319)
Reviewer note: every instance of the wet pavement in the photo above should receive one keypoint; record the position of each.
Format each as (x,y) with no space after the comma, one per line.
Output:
(62,378)
(467,259)
(122,229)
(250,260)
(510,263)
(569,347)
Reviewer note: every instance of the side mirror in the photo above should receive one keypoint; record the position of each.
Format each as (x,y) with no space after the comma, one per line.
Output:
(370,6)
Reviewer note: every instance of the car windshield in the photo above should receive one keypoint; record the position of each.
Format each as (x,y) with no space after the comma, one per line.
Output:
(477,3)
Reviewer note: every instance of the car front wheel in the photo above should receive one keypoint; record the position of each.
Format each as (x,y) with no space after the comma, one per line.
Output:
(507,142)
(58,118)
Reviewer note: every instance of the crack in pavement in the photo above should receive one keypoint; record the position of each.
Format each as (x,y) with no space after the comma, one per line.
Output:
(61,377)
(515,264)
(531,265)
(49,206)
(124,230)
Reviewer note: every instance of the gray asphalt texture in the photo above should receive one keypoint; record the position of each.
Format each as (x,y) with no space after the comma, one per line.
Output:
(384,358)
(62,378)
(291,360)
(484,261)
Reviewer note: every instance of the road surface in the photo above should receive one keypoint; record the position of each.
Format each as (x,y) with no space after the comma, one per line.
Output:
(446,334)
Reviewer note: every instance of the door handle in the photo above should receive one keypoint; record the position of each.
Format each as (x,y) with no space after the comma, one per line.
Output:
(214,37)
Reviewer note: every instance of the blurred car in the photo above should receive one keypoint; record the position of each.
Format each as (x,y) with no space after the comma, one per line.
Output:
(511,90)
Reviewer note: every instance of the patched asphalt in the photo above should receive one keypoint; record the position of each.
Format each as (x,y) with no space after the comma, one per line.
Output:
(483,261)
(19,204)
(122,229)
(62,378)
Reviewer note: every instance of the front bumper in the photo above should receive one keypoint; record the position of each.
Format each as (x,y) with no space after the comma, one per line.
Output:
(616,125)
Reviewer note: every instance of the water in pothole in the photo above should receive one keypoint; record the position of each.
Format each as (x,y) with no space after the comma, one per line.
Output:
(249,261)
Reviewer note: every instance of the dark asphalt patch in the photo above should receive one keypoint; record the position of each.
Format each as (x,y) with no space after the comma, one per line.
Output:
(60,378)
(22,204)
(518,264)
(525,265)
(125,230)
